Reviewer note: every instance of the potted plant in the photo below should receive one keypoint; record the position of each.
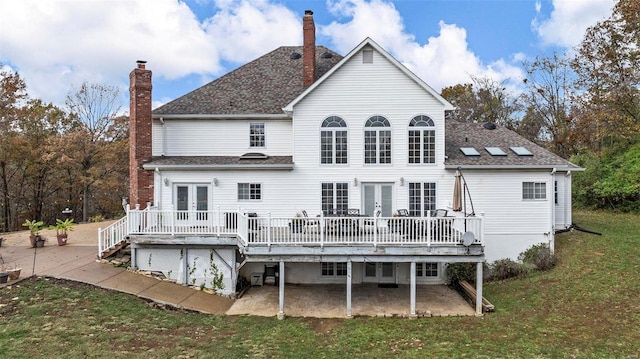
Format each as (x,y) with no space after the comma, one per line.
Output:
(14,272)
(34,228)
(4,275)
(62,227)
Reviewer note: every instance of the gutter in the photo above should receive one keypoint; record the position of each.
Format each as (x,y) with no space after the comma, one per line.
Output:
(249,116)
(230,167)
(514,167)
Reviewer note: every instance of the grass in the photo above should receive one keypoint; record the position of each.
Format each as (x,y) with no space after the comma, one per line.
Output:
(587,306)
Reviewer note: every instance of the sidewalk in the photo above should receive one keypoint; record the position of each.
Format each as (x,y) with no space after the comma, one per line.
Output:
(78,261)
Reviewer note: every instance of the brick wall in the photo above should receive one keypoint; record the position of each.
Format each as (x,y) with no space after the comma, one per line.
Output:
(141,180)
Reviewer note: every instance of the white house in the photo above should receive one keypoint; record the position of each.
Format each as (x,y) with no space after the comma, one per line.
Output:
(304,166)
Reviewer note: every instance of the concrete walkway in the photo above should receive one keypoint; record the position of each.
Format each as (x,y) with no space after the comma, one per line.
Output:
(78,261)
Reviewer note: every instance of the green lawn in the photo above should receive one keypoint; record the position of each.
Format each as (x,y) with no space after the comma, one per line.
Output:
(587,306)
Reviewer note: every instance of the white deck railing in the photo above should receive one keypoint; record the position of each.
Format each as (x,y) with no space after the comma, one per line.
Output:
(112,235)
(318,231)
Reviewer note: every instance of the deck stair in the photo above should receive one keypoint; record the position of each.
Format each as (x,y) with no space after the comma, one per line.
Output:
(470,292)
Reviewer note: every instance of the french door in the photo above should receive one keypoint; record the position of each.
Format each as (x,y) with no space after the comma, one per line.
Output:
(192,202)
(377,195)
(380,272)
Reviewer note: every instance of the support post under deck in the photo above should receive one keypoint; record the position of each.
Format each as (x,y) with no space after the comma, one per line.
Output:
(281,314)
(479,289)
(349,314)
(413,290)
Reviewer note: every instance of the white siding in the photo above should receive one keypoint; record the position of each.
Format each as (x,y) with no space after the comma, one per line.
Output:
(219,138)
(563,207)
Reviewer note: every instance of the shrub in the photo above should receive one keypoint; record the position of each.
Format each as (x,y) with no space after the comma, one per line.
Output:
(538,256)
(457,272)
(506,268)
(97,218)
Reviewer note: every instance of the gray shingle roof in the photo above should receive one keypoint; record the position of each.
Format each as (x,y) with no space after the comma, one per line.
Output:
(459,134)
(262,86)
(219,162)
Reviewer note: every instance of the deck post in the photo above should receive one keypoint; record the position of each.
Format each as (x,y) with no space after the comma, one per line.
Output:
(281,314)
(349,314)
(413,290)
(479,289)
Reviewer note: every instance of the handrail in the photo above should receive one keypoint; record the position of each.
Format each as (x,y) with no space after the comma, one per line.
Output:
(112,235)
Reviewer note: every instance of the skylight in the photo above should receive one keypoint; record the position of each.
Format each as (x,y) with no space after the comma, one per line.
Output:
(469,151)
(495,151)
(521,151)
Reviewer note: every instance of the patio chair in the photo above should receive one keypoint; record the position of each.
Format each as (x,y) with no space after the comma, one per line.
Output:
(372,224)
(353,212)
(310,224)
(403,213)
(271,273)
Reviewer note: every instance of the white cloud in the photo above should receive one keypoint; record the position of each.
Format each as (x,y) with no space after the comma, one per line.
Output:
(569,19)
(444,60)
(68,42)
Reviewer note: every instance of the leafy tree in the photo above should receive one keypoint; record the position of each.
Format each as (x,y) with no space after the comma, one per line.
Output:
(608,70)
(548,119)
(485,100)
(96,137)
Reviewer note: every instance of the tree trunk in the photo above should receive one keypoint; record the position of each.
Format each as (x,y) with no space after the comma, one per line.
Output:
(5,197)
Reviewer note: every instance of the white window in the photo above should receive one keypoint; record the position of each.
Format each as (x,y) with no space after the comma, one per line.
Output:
(333,269)
(427,270)
(422,140)
(534,190)
(249,191)
(333,141)
(335,197)
(377,140)
(256,134)
(422,198)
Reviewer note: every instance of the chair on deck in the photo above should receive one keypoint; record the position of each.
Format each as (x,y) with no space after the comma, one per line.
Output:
(353,212)
(403,213)
(310,224)
(371,225)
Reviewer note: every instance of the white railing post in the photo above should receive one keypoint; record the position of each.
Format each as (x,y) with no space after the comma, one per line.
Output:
(217,230)
(323,226)
(99,243)
(269,226)
(429,225)
(482,228)
(174,214)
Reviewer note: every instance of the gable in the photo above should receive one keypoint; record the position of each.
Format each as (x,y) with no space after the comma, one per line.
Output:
(372,56)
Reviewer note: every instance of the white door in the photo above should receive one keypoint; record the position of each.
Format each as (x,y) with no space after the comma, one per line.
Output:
(377,195)
(379,272)
(192,202)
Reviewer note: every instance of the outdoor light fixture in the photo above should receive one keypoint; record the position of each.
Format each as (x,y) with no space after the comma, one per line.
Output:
(401,181)
(355,181)
(166,181)
(215,181)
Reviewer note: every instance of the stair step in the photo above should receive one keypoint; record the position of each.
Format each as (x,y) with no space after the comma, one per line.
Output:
(115,249)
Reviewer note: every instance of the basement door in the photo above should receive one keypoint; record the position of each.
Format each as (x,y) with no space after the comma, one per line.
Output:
(192,203)
(381,272)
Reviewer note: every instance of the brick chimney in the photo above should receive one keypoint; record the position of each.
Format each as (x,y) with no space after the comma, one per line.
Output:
(308,49)
(140,180)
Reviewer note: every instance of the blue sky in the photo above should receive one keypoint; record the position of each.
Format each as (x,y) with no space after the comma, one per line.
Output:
(55,45)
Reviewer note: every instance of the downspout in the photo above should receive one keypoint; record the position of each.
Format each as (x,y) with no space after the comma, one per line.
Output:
(164,135)
(568,197)
(553,213)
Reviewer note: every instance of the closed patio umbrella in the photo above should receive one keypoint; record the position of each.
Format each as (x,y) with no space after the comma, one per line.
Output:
(457,192)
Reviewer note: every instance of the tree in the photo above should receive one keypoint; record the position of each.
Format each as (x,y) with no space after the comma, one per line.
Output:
(95,108)
(608,71)
(12,93)
(548,101)
(485,100)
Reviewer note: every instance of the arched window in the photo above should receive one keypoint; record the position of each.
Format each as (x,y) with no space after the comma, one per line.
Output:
(377,140)
(422,140)
(333,141)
